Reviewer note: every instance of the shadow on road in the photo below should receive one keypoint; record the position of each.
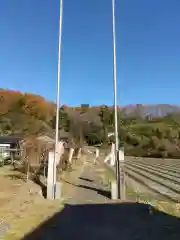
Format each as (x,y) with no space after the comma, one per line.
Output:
(125,221)
(104,193)
(86,179)
(16,177)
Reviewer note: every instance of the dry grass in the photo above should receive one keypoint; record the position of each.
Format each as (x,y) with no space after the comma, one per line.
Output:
(21,204)
(36,213)
(107,175)
(8,186)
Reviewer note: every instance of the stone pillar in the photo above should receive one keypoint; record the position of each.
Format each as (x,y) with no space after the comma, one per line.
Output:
(71,151)
(96,155)
(107,158)
(59,151)
(57,194)
(79,153)
(122,175)
(111,156)
(51,177)
(121,155)
(114,190)
(112,159)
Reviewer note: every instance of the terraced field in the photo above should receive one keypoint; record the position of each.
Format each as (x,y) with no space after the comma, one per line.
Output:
(160,177)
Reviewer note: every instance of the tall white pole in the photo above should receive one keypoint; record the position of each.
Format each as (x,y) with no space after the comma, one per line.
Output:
(115,99)
(58,89)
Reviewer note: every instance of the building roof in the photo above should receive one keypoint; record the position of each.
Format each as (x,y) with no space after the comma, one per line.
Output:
(9,139)
(62,136)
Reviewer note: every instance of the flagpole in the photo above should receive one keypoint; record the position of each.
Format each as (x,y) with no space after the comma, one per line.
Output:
(58,93)
(115,101)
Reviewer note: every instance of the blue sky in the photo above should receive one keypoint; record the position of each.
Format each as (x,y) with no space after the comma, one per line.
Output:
(148,50)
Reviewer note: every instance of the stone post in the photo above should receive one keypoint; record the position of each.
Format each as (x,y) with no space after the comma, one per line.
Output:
(50,177)
(96,155)
(60,151)
(114,190)
(122,175)
(70,155)
(79,153)
(112,161)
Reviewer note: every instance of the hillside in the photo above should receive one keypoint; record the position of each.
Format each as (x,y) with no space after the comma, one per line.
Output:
(24,113)
(144,130)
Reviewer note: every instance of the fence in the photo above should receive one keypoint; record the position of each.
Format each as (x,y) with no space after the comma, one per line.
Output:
(144,177)
(32,156)
(27,161)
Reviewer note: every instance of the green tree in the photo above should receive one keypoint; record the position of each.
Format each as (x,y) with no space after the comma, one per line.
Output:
(64,120)
(106,118)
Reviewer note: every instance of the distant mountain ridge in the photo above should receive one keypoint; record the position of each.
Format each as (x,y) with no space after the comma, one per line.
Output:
(134,110)
(37,105)
(154,110)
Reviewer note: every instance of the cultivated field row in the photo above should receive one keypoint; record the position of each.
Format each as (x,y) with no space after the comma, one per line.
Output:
(159,176)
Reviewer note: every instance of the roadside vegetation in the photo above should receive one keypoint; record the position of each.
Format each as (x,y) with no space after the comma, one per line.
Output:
(145,134)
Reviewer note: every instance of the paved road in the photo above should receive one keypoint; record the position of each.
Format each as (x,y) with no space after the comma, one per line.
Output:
(80,219)
(89,188)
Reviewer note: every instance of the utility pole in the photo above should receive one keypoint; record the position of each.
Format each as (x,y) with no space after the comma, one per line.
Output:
(58,95)
(115,102)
